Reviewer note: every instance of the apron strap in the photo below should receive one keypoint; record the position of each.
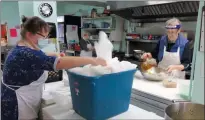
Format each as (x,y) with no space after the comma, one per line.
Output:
(178,50)
(165,49)
(10,86)
(87,41)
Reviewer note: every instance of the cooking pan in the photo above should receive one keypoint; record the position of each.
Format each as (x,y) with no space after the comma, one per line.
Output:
(184,111)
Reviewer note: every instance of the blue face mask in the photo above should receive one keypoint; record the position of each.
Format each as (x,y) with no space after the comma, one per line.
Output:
(42,43)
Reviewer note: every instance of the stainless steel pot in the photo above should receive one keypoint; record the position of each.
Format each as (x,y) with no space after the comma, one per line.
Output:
(138,53)
(184,111)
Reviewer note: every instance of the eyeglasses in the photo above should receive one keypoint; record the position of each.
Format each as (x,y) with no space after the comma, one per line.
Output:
(43,35)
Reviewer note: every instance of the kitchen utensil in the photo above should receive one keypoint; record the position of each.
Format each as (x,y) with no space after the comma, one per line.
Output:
(184,111)
(138,53)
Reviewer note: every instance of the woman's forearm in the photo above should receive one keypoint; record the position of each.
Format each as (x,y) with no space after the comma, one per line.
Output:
(55,54)
(71,62)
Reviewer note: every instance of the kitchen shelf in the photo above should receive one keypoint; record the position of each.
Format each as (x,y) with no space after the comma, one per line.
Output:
(148,41)
(98,28)
(93,39)
(98,18)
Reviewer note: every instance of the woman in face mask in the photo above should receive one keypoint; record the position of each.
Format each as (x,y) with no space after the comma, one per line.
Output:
(86,46)
(171,50)
(25,72)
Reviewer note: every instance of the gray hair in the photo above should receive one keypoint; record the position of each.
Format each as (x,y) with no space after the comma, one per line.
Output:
(172,20)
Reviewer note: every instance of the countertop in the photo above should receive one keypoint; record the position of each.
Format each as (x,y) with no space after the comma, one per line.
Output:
(156,88)
(59,110)
(56,112)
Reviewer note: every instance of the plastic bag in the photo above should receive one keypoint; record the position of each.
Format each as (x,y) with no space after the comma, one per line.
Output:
(104,50)
(65,78)
(104,47)
(114,64)
(62,96)
(90,70)
(151,61)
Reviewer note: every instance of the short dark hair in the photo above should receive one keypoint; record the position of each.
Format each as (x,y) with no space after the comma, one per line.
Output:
(33,25)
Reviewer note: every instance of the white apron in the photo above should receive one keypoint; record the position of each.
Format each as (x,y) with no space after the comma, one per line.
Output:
(84,53)
(172,58)
(29,98)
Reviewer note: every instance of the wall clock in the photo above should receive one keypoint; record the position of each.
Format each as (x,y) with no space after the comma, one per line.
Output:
(45,10)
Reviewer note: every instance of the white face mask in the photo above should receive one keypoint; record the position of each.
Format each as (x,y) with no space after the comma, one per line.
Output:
(42,43)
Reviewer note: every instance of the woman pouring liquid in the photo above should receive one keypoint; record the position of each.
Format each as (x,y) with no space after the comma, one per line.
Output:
(86,46)
(26,70)
(172,53)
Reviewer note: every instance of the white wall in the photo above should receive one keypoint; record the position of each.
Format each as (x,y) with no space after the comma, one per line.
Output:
(10,14)
(26,8)
(52,18)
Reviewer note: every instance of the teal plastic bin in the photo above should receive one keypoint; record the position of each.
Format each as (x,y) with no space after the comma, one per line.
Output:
(101,97)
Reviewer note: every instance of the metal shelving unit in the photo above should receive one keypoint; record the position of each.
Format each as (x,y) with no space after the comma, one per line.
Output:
(146,41)
(99,18)
(98,28)
(111,19)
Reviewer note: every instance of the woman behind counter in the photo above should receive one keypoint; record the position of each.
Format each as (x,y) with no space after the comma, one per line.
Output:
(173,51)
(25,71)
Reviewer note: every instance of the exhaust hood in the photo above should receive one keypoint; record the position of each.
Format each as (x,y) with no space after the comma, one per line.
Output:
(158,9)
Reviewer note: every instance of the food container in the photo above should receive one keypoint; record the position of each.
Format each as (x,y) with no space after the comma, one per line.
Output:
(170,81)
(101,97)
(184,111)
(183,88)
(169,84)
(149,71)
(154,74)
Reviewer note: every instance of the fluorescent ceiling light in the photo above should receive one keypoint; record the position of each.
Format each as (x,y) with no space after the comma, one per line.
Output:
(158,2)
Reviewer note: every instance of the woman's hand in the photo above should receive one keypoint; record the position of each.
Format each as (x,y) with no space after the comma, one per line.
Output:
(99,61)
(62,54)
(175,67)
(146,55)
